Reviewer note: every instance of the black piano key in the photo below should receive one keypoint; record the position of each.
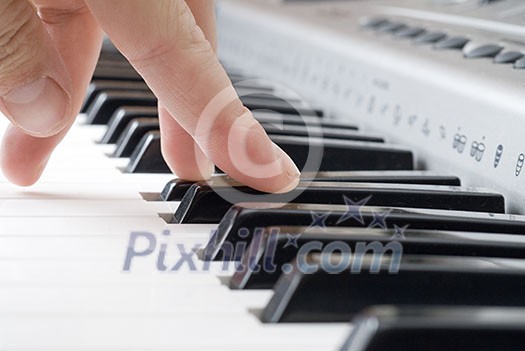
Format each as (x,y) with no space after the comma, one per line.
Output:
(240,222)
(312,292)
(121,118)
(255,89)
(113,61)
(398,328)
(320,132)
(272,248)
(112,55)
(108,49)
(238,77)
(175,189)
(344,155)
(250,85)
(265,97)
(116,73)
(107,102)
(280,106)
(312,131)
(280,119)
(147,157)
(132,135)
(207,202)
(98,86)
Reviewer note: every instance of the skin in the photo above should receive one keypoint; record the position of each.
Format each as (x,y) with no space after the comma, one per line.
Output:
(171,43)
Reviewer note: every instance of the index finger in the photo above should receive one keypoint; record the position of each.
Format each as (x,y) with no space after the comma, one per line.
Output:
(163,42)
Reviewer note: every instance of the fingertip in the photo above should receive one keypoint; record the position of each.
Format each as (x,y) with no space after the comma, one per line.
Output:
(290,176)
(201,172)
(23,158)
(20,174)
(293,182)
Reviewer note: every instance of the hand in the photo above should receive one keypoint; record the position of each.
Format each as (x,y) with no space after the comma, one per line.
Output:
(48,51)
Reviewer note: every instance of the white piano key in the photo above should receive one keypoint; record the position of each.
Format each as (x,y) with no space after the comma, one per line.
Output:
(161,299)
(79,225)
(65,191)
(88,273)
(146,332)
(98,226)
(62,249)
(95,247)
(73,207)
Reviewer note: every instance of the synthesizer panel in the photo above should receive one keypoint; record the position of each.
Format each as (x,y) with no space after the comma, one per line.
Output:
(442,77)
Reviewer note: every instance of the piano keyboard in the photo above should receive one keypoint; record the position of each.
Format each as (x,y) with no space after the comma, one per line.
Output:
(109,252)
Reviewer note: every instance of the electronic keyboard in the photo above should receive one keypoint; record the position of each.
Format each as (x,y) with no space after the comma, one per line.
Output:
(408,233)
(443,77)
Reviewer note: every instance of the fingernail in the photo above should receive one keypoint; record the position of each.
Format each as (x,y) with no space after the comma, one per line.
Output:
(39,107)
(212,169)
(289,168)
(207,170)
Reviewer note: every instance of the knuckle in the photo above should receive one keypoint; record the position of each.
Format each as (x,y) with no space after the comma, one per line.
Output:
(61,15)
(18,43)
(173,39)
(214,138)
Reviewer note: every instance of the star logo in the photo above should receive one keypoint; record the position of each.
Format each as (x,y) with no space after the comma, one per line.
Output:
(319,219)
(353,209)
(292,241)
(399,232)
(379,219)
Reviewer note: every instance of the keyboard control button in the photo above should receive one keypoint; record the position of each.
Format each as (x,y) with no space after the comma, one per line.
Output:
(452,43)
(410,32)
(482,51)
(430,38)
(392,27)
(373,23)
(520,64)
(508,57)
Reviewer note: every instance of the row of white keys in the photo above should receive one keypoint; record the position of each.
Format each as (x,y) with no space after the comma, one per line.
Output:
(63,287)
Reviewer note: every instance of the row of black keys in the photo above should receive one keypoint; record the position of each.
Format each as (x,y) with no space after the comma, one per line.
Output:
(119,98)
(446,261)
(430,243)
(430,233)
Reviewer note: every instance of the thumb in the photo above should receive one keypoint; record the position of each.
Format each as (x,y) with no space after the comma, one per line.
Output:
(34,83)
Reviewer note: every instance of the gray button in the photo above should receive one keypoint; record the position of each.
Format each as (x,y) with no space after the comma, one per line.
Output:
(391,27)
(520,64)
(454,43)
(508,57)
(430,38)
(373,23)
(488,50)
(410,32)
